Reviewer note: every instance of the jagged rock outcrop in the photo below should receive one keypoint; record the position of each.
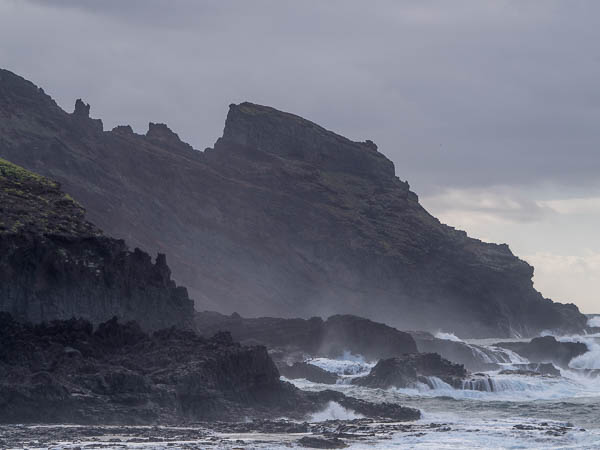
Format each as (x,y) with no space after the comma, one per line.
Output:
(282,217)
(56,265)
(411,369)
(308,372)
(547,349)
(313,337)
(472,357)
(65,372)
(548,369)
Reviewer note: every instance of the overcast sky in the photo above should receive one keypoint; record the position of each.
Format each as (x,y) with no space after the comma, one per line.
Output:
(490,109)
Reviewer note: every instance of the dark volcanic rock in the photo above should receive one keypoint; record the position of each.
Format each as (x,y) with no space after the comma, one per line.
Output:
(307,371)
(533,369)
(315,337)
(54,264)
(282,217)
(67,372)
(455,351)
(315,442)
(410,369)
(547,350)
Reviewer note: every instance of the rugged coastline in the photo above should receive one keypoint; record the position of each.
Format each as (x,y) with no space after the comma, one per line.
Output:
(281,218)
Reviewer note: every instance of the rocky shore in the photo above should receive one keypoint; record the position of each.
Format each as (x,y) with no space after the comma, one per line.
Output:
(67,372)
(288,339)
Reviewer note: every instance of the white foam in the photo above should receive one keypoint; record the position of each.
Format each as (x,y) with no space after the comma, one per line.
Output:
(334,411)
(589,360)
(448,336)
(349,365)
(594,322)
(509,388)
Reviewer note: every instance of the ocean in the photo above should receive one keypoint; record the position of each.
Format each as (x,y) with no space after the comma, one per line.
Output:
(519,412)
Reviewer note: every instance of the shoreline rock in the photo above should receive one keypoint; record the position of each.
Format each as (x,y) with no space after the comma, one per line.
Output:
(547,349)
(67,372)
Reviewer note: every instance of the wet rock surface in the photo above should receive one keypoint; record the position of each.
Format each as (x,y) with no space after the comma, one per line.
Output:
(260,434)
(67,372)
(296,338)
(282,218)
(455,351)
(410,369)
(315,442)
(547,349)
(533,369)
(308,372)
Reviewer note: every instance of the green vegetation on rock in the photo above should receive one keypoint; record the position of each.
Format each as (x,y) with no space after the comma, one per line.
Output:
(35,204)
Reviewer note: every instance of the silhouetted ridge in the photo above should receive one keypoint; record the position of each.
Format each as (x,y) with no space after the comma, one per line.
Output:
(281,218)
(291,136)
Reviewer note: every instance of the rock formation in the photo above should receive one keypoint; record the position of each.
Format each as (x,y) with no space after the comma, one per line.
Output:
(308,372)
(472,357)
(282,217)
(313,337)
(56,265)
(547,350)
(65,372)
(411,369)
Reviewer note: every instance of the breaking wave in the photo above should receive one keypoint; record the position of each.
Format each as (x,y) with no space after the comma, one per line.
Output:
(334,411)
(348,365)
(448,336)
(594,322)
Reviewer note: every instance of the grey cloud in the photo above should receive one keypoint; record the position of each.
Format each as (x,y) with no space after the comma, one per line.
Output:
(494,204)
(458,94)
(466,97)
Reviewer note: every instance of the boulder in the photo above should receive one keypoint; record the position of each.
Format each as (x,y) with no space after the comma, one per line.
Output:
(307,371)
(411,369)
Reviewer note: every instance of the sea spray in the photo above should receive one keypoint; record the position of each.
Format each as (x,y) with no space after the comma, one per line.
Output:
(347,365)
(486,354)
(448,336)
(334,411)
(594,322)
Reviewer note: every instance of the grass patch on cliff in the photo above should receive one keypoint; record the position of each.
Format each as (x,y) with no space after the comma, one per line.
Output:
(16,174)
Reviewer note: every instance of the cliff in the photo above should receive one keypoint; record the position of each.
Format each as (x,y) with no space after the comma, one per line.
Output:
(282,217)
(54,264)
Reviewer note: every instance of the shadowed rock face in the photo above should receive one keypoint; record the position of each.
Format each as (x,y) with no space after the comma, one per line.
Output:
(281,218)
(56,265)
(458,352)
(410,369)
(547,349)
(315,337)
(65,372)
(308,372)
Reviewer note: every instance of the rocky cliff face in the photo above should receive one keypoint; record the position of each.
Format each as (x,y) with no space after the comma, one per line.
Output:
(54,264)
(281,217)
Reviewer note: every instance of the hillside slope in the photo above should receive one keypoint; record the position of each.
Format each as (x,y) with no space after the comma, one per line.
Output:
(281,217)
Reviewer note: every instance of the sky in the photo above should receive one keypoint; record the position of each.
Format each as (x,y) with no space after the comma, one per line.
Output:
(489,109)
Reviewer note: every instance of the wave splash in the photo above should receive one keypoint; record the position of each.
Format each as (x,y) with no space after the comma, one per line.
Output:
(334,411)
